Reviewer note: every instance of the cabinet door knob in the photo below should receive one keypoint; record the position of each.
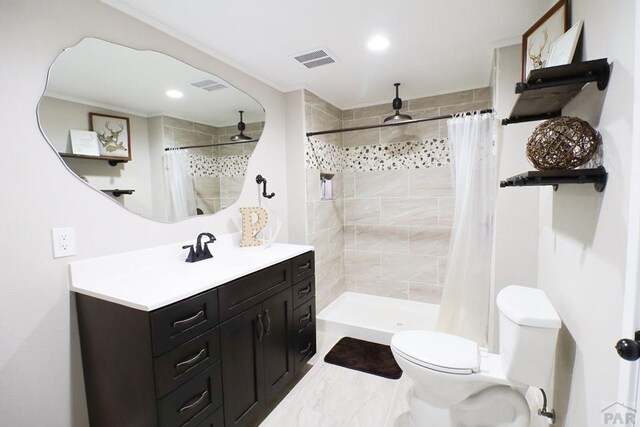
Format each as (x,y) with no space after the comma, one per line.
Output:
(260,327)
(268,328)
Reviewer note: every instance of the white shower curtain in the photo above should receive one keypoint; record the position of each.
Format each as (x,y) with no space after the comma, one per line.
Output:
(179,185)
(464,309)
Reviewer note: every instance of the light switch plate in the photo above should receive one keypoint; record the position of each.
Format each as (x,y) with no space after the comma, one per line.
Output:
(64,242)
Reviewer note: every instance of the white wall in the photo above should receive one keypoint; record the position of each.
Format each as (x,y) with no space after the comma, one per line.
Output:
(40,369)
(583,234)
(296,186)
(516,241)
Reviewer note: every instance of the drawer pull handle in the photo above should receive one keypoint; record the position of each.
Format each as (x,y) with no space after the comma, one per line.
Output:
(260,327)
(191,405)
(306,350)
(304,291)
(190,361)
(189,320)
(268,328)
(304,267)
(304,318)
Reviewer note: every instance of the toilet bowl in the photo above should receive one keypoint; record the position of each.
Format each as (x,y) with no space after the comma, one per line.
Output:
(455,380)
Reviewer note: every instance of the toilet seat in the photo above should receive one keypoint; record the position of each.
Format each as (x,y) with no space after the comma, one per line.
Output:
(438,351)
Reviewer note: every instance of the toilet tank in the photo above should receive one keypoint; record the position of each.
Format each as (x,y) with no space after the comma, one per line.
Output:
(529,327)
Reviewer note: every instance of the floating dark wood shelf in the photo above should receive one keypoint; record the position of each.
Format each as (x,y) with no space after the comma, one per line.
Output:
(118,193)
(113,161)
(548,90)
(597,177)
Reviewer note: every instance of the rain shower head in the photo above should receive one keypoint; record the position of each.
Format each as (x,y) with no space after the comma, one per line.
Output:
(397,105)
(241,127)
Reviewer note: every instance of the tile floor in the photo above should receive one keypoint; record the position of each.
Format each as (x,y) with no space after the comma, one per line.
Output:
(332,396)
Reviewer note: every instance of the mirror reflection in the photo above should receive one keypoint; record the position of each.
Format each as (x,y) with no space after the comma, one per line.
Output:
(163,139)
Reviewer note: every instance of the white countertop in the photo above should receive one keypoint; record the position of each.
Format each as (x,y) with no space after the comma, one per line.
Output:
(153,278)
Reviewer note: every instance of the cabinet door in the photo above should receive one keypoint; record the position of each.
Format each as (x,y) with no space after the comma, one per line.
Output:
(277,344)
(242,367)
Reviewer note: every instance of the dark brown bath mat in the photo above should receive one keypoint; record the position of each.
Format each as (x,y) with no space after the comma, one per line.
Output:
(364,356)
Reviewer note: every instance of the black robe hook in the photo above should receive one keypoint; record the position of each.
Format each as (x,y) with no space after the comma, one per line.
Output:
(261,180)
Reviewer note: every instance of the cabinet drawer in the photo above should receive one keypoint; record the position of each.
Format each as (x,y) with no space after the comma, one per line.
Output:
(304,291)
(304,319)
(185,362)
(303,266)
(305,346)
(184,320)
(192,403)
(215,420)
(241,294)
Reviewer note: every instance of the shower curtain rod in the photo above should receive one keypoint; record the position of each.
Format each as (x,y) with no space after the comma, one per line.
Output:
(209,145)
(404,122)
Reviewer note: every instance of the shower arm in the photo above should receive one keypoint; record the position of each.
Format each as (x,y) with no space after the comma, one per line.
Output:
(405,122)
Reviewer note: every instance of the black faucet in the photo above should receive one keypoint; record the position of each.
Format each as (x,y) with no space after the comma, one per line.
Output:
(200,252)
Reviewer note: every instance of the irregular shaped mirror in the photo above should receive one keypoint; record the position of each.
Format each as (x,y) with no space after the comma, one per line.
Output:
(161,138)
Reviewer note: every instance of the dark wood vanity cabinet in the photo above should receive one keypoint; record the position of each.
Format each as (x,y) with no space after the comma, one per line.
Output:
(159,368)
(259,345)
(257,358)
(219,358)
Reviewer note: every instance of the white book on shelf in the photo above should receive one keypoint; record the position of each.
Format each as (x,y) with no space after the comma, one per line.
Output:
(84,142)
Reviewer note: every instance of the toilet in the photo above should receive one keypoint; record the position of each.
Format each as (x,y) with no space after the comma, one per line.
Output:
(458,384)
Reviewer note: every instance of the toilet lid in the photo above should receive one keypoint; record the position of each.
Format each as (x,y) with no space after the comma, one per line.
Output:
(438,351)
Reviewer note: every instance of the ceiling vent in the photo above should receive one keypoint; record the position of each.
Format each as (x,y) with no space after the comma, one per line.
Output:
(314,58)
(208,85)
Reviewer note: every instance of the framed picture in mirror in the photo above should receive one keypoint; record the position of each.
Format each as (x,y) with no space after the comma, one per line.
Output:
(113,134)
(537,40)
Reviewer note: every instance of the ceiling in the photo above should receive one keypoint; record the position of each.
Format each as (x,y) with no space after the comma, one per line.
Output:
(437,46)
(111,76)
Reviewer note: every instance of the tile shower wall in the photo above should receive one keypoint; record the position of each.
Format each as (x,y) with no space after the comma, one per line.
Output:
(218,172)
(399,206)
(325,217)
(395,193)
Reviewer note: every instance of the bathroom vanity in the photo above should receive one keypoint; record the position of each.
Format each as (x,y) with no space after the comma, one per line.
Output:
(213,343)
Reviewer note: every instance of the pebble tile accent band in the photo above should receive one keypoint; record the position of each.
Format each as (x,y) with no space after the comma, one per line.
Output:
(433,152)
(227,166)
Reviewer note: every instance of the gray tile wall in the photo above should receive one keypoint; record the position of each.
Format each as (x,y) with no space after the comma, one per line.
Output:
(212,193)
(396,224)
(325,217)
(397,227)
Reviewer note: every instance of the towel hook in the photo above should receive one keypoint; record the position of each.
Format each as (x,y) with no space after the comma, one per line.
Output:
(261,180)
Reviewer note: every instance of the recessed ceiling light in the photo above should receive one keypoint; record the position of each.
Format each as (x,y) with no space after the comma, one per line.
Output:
(174,93)
(378,43)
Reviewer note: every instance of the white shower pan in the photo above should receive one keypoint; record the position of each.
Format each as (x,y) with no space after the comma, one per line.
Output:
(374,318)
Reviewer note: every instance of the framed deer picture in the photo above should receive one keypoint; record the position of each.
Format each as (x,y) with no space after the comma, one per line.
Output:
(537,41)
(113,133)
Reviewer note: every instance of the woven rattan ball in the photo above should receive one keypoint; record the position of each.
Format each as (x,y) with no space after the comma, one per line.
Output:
(562,143)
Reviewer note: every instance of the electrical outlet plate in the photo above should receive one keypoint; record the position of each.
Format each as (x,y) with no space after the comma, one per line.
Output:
(64,242)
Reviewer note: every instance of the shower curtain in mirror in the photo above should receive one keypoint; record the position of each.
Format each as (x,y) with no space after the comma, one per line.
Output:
(464,310)
(178,185)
